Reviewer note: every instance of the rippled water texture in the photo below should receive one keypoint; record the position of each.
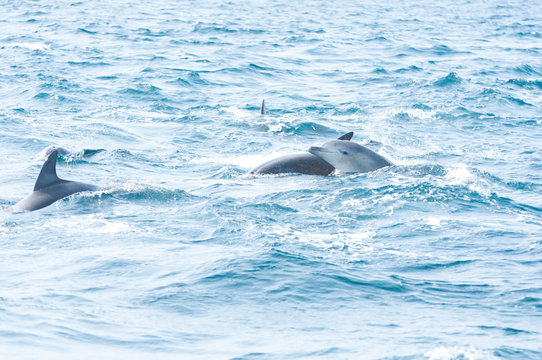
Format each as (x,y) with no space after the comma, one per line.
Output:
(182,255)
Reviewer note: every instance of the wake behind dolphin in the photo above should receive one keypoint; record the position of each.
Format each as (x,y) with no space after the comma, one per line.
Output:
(50,188)
(340,154)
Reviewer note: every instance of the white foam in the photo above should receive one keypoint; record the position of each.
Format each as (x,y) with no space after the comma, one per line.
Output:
(91,224)
(339,241)
(31,46)
(414,113)
(435,222)
(274,124)
(244,161)
(460,174)
(237,112)
(456,352)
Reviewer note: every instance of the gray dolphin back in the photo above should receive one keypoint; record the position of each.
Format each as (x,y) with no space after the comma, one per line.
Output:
(303,163)
(347,156)
(50,188)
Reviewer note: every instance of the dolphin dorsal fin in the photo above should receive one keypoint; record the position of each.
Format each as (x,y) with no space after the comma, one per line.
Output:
(347,136)
(47,176)
(262,108)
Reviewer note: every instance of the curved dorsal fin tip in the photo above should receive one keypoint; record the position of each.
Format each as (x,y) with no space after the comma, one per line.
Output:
(347,136)
(262,108)
(47,174)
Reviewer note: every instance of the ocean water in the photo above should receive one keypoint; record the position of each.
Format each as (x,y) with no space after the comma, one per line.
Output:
(182,255)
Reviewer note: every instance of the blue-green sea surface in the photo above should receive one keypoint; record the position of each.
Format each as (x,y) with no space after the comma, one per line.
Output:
(182,255)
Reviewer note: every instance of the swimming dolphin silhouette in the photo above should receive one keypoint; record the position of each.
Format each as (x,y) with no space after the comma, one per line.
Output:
(312,163)
(303,163)
(50,188)
(347,156)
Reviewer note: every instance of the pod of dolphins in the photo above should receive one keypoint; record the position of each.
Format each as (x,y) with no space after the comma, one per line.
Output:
(340,155)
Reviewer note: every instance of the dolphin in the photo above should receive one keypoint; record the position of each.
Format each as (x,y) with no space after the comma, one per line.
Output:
(346,156)
(50,188)
(303,163)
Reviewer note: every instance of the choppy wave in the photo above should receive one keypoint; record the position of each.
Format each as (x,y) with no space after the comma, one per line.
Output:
(181,254)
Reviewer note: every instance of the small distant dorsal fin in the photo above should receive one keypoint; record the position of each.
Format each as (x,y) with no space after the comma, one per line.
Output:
(347,136)
(262,108)
(47,176)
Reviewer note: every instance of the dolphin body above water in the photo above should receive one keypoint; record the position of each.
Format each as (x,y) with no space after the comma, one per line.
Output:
(341,154)
(50,188)
(347,156)
(303,163)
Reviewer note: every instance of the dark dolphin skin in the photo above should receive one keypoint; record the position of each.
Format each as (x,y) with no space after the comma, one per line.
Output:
(50,188)
(303,163)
